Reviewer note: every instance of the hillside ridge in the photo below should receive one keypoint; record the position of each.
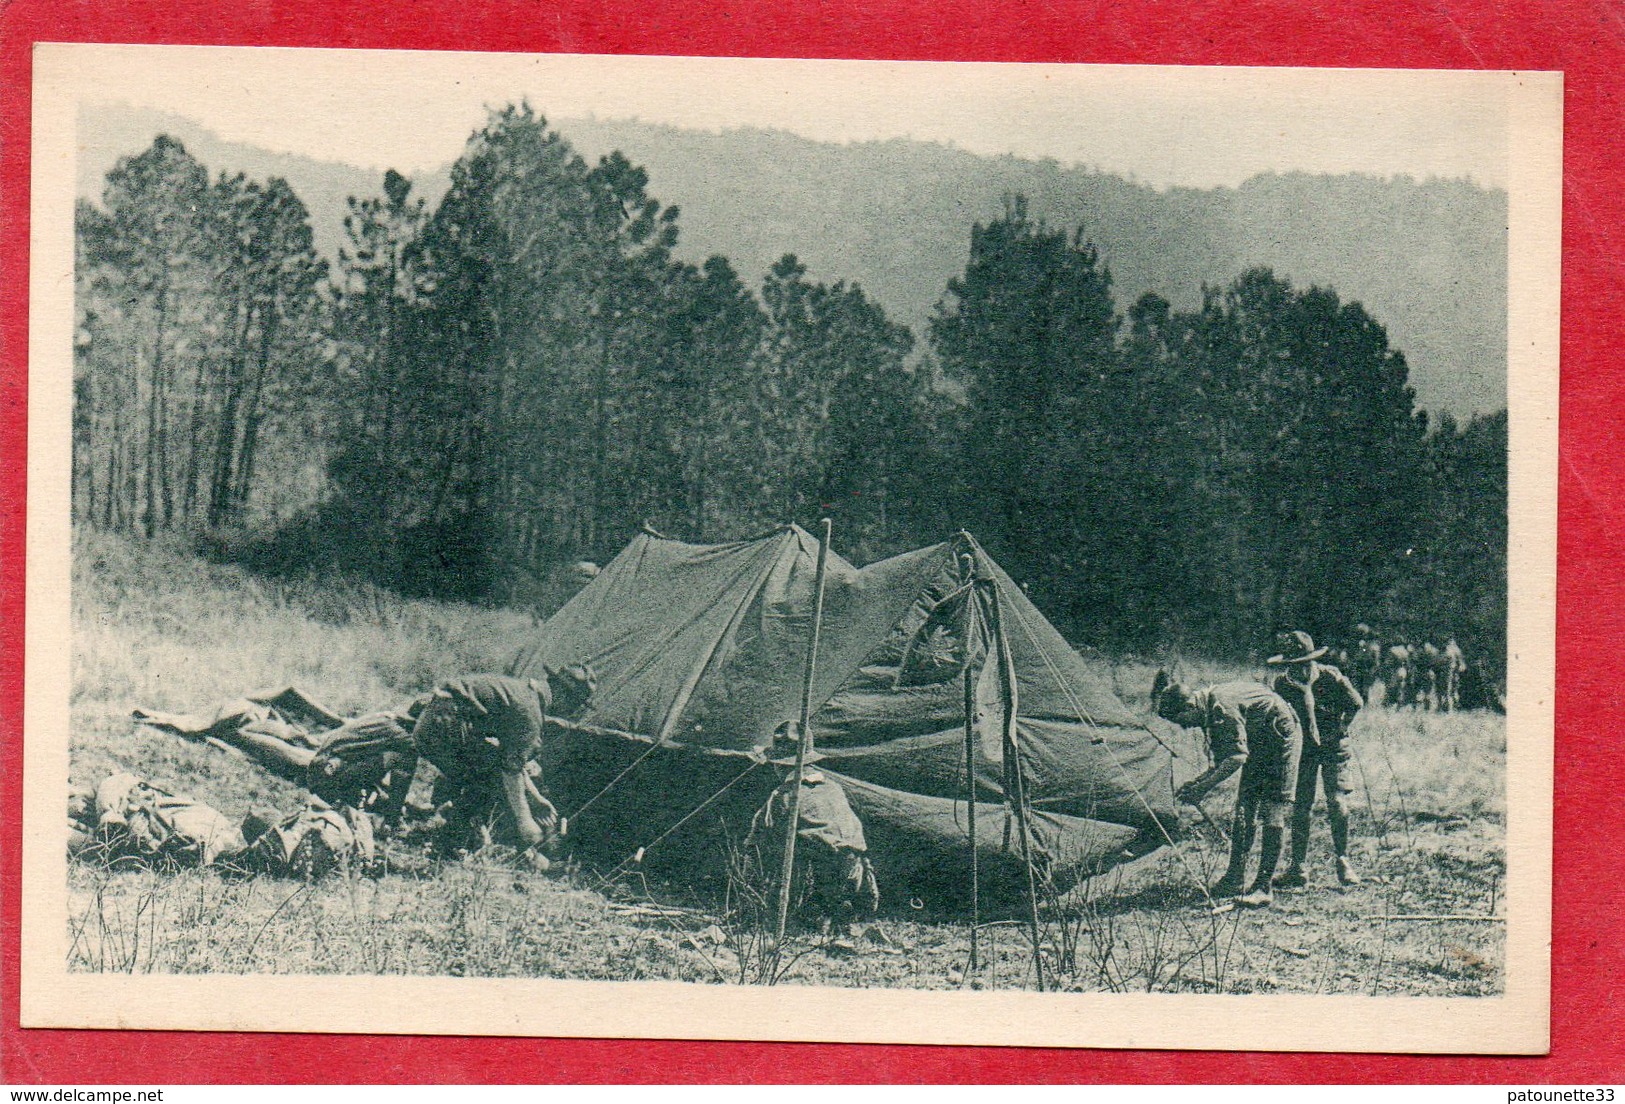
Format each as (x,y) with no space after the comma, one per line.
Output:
(1426,258)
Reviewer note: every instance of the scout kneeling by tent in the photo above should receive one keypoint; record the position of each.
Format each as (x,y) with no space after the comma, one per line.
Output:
(481,733)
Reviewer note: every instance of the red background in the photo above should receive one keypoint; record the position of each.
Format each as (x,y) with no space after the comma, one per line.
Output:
(1583,39)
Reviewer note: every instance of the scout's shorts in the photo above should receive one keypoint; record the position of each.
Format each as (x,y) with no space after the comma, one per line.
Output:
(1271,770)
(1332,764)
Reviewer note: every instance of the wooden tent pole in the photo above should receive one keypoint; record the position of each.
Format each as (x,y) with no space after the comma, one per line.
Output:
(1007,670)
(804,745)
(811,668)
(967,575)
(970,810)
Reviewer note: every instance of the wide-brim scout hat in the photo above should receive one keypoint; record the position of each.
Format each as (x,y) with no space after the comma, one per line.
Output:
(578,678)
(1294,647)
(786,742)
(1174,700)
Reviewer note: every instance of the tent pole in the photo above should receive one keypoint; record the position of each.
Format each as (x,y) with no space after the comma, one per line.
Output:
(804,745)
(970,806)
(811,668)
(967,569)
(1012,757)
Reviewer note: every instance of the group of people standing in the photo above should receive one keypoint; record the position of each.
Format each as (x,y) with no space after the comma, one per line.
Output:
(1288,739)
(1426,675)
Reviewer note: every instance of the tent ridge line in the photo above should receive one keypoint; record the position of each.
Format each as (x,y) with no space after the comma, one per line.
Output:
(648,530)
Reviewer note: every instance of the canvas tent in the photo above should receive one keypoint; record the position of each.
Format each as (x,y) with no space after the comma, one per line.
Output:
(700,650)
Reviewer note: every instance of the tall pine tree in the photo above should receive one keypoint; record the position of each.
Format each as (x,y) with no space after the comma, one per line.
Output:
(1029,332)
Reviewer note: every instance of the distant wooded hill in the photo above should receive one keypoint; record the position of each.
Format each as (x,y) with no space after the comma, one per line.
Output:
(1427,259)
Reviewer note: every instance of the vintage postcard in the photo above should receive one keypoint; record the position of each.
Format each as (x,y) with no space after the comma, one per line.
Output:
(809,550)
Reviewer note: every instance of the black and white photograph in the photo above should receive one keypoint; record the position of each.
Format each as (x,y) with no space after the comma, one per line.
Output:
(753,548)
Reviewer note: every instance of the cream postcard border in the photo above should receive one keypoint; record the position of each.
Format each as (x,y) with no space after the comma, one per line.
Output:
(1516,1022)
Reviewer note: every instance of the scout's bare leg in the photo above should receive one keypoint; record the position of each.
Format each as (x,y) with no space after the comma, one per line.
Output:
(288,760)
(1274,814)
(1241,842)
(1335,781)
(1308,776)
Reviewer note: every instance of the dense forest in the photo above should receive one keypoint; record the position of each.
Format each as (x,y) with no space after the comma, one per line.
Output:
(522,373)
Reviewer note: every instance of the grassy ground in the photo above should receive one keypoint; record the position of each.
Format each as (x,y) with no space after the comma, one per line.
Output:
(155,627)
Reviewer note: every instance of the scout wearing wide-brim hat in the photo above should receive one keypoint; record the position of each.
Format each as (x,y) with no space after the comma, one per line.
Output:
(1170,698)
(566,690)
(786,742)
(1294,647)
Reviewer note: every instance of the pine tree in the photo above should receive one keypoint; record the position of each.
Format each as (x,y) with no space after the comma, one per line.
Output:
(200,324)
(551,281)
(149,323)
(383,391)
(878,443)
(1029,332)
(1300,455)
(1328,457)
(704,387)
(1454,581)
(270,281)
(1164,590)
(834,408)
(634,471)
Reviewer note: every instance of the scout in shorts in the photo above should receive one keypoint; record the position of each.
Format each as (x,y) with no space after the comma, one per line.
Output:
(1251,730)
(481,731)
(1325,702)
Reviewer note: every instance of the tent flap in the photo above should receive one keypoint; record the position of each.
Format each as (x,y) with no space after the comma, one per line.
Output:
(702,647)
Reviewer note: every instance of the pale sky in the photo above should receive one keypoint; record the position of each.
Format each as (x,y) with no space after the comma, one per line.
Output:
(1199,127)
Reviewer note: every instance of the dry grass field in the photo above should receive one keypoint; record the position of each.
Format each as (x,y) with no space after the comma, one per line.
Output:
(155,627)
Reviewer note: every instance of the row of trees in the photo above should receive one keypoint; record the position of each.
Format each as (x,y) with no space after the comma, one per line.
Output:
(529,373)
(200,314)
(1211,475)
(522,374)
